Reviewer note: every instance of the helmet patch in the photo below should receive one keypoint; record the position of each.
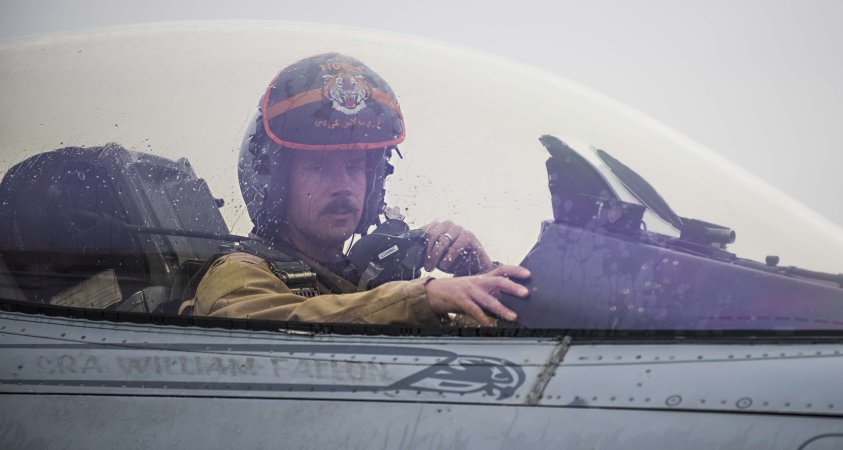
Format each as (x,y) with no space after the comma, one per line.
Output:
(331,102)
(347,92)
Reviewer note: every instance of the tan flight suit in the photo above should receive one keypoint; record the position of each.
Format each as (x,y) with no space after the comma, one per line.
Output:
(241,285)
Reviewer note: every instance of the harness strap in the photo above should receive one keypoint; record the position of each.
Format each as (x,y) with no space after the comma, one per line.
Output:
(333,282)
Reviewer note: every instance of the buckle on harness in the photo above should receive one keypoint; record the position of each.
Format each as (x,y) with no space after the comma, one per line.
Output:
(297,275)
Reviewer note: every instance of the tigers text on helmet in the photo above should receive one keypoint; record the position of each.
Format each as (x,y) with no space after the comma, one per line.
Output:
(324,102)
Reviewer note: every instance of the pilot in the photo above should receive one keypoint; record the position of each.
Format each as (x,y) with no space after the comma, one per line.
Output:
(312,171)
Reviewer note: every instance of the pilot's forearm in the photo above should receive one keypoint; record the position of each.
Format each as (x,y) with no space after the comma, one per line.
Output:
(242,286)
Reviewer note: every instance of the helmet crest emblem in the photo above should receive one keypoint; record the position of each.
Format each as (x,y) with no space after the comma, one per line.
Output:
(348,92)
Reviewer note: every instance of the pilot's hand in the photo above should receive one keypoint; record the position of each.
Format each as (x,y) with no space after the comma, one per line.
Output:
(473,294)
(453,249)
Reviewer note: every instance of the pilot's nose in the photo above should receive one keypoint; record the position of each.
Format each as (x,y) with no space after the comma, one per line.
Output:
(341,180)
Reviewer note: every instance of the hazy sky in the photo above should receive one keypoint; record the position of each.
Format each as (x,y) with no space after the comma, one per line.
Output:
(760,82)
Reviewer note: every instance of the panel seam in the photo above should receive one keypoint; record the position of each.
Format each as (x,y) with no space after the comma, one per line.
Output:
(549,371)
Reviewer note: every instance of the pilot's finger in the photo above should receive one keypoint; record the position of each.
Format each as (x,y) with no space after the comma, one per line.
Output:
(471,308)
(436,253)
(510,271)
(438,241)
(494,305)
(501,284)
(429,227)
(459,252)
(484,262)
(472,261)
(465,244)
(431,232)
(461,262)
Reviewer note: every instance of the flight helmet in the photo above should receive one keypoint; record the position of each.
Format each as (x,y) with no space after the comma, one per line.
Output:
(324,102)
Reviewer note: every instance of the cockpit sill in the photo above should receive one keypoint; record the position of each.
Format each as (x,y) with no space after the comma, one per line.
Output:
(582,336)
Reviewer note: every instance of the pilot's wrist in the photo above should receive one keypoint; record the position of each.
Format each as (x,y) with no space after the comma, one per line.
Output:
(443,317)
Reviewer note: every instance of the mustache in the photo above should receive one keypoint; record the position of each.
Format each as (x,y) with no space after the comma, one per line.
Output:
(339,205)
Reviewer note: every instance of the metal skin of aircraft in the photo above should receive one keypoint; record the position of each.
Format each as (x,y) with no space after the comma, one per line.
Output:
(631,337)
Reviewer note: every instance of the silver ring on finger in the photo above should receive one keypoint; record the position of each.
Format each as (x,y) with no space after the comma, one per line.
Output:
(448,236)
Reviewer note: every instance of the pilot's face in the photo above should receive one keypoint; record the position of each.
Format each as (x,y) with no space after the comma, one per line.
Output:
(326,195)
